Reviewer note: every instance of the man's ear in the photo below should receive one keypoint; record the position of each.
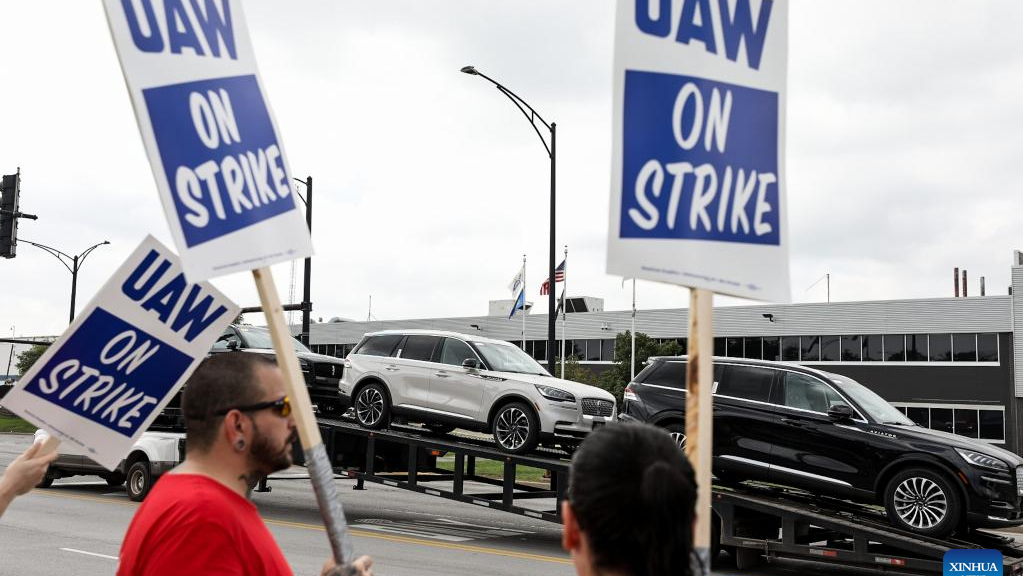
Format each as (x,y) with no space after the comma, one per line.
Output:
(234,426)
(570,528)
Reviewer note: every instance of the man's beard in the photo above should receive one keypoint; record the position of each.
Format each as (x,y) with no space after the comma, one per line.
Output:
(266,457)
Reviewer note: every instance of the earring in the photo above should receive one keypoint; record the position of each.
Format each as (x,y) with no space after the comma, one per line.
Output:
(240,444)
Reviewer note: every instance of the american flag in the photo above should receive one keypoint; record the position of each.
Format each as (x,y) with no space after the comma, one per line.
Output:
(559,276)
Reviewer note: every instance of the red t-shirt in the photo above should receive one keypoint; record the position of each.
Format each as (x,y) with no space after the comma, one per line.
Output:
(191,524)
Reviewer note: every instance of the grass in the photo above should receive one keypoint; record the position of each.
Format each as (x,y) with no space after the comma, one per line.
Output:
(495,469)
(15,424)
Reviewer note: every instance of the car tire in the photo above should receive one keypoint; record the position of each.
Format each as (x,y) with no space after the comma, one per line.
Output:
(373,407)
(516,428)
(923,501)
(440,428)
(139,481)
(114,479)
(678,434)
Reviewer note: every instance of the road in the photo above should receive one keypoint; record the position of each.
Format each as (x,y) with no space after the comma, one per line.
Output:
(76,527)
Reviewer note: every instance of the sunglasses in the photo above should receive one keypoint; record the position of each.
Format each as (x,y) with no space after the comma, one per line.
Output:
(280,407)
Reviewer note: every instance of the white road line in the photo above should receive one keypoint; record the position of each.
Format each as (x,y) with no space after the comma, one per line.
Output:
(89,553)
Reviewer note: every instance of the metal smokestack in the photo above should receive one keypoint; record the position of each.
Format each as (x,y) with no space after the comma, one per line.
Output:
(955,280)
(981,285)
(964,283)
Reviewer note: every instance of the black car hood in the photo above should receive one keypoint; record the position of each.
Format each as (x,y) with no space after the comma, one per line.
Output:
(956,441)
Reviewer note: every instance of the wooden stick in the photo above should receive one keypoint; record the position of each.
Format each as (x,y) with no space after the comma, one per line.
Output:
(699,414)
(321,473)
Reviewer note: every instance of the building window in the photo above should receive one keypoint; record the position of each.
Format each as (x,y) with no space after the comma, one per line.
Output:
(593,350)
(851,348)
(578,349)
(980,422)
(873,348)
(683,346)
(992,425)
(811,348)
(895,347)
(940,348)
(921,416)
(540,349)
(966,422)
(719,346)
(790,348)
(916,347)
(831,350)
(753,348)
(964,347)
(607,349)
(733,347)
(772,348)
(941,419)
(987,347)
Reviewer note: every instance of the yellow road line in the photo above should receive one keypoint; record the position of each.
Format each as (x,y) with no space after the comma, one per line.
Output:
(354,532)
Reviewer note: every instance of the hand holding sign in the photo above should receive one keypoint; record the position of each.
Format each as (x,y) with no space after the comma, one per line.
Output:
(107,378)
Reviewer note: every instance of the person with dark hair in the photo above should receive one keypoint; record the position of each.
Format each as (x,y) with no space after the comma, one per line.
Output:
(198,519)
(631,504)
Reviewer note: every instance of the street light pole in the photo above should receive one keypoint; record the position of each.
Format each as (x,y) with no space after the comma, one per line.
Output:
(76,263)
(533,116)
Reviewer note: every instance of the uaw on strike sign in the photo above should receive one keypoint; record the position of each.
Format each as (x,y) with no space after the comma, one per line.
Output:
(132,347)
(697,190)
(209,132)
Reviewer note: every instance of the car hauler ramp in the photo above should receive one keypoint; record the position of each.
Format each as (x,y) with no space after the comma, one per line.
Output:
(407,457)
(762,522)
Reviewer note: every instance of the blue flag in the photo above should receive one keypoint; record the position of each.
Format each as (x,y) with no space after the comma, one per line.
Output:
(520,303)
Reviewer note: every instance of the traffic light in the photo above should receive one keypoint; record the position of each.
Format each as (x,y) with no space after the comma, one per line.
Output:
(9,214)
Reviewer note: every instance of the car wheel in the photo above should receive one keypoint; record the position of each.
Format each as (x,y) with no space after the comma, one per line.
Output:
(440,428)
(114,479)
(516,429)
(923,501)
(140,481)
(678,434)
(372,407)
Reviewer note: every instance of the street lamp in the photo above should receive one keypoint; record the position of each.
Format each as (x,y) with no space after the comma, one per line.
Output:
(76,263)
(532,116)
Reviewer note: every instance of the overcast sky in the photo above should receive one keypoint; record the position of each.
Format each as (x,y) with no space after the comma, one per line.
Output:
(905,142)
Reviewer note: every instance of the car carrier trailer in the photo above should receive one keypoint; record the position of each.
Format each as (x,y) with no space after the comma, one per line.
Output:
(758,522)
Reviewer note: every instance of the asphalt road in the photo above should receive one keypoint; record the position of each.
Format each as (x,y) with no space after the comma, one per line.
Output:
(76,527)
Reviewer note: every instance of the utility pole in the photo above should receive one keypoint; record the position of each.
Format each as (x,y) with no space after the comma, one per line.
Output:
(307,305)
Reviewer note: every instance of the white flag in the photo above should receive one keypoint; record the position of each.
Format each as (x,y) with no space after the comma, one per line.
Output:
(516,283)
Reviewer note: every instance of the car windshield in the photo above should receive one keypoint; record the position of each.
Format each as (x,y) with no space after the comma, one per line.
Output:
(260,338)
(509,358)
(868,401)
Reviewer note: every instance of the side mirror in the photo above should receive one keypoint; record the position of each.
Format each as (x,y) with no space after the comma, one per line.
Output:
(232,344)
(840,411)
(471,364)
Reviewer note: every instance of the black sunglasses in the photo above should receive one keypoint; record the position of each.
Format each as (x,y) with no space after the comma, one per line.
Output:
(281,407)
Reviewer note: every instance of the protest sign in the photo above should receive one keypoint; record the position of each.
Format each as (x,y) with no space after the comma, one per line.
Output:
(698,162)
(126,354)
(212,141)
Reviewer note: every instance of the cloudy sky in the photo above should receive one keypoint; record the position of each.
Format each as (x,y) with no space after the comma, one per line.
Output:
(903,154)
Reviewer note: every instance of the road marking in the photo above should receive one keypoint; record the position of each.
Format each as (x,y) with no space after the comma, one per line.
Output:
(89,553)
(362,533)
(423,542)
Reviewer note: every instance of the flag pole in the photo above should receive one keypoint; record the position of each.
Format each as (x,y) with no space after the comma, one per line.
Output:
(564,311)
(632,375)
(524,302)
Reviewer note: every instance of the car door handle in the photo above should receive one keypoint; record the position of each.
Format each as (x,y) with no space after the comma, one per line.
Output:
(441,374)
(392,368)
(793,422)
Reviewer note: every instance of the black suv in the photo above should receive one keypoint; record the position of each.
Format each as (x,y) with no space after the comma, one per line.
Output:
(831,435)
(322,373)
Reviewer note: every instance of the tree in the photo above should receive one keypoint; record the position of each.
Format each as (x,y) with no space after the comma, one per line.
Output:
(27,358)
(575,371)
(617,378)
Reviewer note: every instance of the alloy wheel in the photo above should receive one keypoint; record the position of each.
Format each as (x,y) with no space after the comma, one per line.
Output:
(678,438)
(369,406)
(512,428)
(920,502)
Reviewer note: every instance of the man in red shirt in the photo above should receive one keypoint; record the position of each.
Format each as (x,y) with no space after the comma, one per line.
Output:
(198,519)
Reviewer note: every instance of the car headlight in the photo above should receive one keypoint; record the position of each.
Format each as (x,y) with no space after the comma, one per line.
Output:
(982,460)
(552,393)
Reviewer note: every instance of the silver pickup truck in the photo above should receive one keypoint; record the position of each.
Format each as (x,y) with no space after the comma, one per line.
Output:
(153,454)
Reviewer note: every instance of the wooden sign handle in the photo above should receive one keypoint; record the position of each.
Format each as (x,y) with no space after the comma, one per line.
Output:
(321,473)
(699,414)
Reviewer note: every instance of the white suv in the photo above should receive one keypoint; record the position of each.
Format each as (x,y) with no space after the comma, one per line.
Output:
(448,380)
